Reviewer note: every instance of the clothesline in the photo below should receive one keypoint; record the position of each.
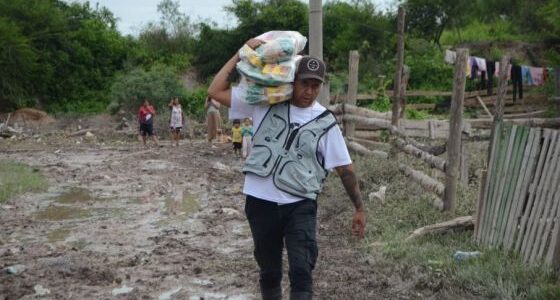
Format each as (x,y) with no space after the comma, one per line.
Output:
(529,75)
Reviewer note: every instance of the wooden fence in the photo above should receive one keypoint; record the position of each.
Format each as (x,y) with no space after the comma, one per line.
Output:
(519,207)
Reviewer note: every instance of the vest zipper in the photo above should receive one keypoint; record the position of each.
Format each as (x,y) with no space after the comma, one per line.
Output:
(291,138)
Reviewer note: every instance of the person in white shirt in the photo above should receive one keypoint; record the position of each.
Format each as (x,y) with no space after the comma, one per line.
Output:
(176,120)
(295,145)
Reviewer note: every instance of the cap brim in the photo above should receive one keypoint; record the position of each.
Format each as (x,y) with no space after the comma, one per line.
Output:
(310,76)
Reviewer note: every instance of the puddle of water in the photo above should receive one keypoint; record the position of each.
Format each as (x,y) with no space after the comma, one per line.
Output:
(187,204)
(190,203)
(59,234)
(75,195)
(58,213)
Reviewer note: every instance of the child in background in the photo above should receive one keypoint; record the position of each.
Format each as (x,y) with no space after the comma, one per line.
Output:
(236,137)
(247,134)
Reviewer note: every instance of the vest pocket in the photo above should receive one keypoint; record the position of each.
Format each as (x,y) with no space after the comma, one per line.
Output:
(259,161)
(297,177)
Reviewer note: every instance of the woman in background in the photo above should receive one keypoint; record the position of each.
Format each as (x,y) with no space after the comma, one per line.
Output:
(212,118)
(176,120)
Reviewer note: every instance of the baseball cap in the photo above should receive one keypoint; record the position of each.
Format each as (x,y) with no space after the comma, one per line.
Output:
(311,67)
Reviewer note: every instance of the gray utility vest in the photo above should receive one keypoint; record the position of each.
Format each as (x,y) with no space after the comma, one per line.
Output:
(290,154)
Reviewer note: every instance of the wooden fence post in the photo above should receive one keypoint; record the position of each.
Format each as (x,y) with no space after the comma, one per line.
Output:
(557,93)
(464,175)
(455,128)
(398,73)
(316,42)
(500,101)
(404,84)
(353,61)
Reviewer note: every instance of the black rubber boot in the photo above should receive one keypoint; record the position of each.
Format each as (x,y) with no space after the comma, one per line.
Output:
(272,294)
(301,295)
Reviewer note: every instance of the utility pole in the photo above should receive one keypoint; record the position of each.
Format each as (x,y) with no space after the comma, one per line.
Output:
(316,42)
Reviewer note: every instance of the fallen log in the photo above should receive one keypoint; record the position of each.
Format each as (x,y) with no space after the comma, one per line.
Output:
(427,182)
(385,124)
(532,122)
(81,132)
(370,144)
(339,109)
(460,223)
(368,135)
(533,114)
(433,161)
(361,150)
(491,100)
(485,107)
(369,122)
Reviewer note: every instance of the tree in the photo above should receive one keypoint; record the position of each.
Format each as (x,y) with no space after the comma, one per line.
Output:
(17,62)
(169,42)
(429,18)
(68,53)
(355,26)
(215,46)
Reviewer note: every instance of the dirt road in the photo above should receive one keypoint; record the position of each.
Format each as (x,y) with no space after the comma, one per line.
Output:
(164,223)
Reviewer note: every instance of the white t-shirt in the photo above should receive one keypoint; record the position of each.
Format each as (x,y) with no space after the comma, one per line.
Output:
(331,146)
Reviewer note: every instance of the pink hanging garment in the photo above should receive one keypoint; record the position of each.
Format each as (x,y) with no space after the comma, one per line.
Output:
(537,74)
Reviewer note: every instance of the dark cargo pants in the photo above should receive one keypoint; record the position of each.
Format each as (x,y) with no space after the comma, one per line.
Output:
(272,225)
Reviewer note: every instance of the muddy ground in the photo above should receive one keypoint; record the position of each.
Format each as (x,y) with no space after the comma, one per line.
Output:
(166,223)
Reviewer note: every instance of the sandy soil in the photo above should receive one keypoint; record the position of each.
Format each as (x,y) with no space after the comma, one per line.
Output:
(167,222)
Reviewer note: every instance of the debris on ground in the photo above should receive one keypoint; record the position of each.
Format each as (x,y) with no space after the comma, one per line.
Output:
(167,295)
(122,290)
(380,195)
(466,255)
(15,269)
(31,117)
(40,290)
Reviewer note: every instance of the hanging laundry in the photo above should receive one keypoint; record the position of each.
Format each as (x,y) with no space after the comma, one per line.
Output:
(497,72)
(526,75)
(450,57)
(517,80)
(480,63)
(482,84)
(474,67)
(537,75)
(490,71)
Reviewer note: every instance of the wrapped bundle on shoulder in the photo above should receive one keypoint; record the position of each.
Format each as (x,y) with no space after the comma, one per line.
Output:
(269,70)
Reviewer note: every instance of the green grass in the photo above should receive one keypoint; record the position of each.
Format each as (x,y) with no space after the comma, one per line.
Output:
(413,114)
(501,30)
(497,274)
(17,178)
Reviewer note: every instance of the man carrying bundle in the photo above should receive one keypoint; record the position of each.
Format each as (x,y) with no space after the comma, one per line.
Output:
(295,144)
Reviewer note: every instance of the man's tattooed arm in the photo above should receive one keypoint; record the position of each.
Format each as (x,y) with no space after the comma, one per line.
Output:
(350,182)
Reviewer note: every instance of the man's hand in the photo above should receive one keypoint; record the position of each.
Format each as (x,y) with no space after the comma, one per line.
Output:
(359,223)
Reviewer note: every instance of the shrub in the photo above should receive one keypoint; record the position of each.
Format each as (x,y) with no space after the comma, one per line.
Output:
(158,84)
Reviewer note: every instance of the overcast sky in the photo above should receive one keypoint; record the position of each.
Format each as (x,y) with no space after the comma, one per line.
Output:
(133,14)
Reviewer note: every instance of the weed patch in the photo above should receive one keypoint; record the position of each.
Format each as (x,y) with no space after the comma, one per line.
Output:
(17,178)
